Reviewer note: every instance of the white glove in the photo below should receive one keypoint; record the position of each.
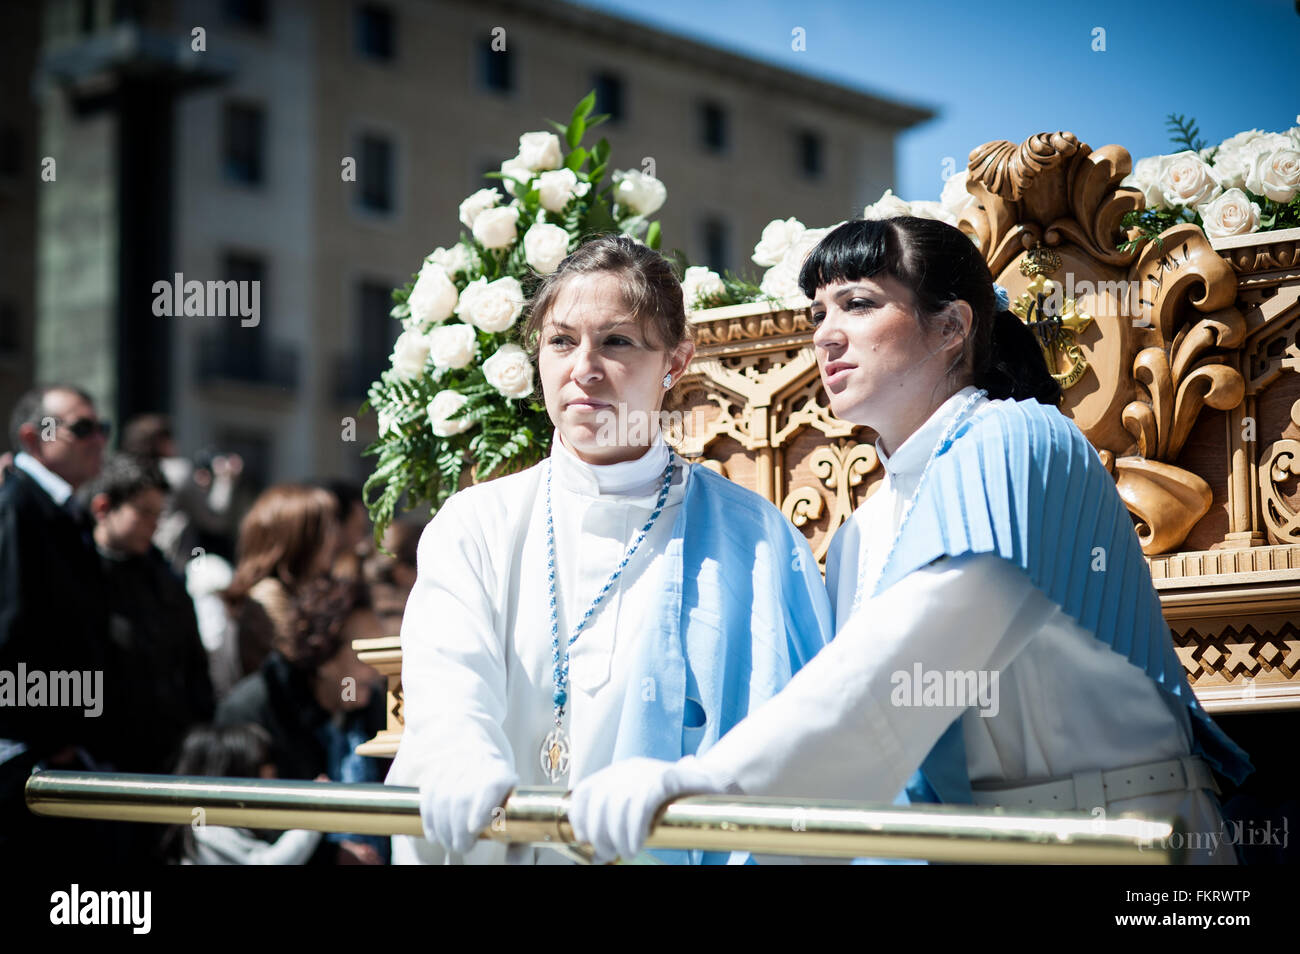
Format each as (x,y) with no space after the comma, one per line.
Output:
(612,809)
(457,803)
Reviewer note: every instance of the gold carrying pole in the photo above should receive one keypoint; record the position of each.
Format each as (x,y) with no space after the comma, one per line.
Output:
(941,833)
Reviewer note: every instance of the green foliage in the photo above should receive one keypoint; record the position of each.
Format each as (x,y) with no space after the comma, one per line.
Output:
(1183,132)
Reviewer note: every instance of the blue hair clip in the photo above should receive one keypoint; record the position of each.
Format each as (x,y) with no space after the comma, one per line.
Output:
(1002,296)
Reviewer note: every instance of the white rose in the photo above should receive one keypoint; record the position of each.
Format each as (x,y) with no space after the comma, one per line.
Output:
(954,197)
(433,298)
(778,235)
(1240,140)
(1185,179)
(887,207)
(556,188)
(545,246)
(410,354)
(540,150)
(442,407)
(1145,177)
(801,247)
(492,306)
(1275,173)
(1267,142)
(641,193)
(1230,168)
(453,260)
(1230,214)
(452,346)
(481,200)
(515,168)
(1232,161)
(699,282)
(782,281)
(510,371)
(926,209)
(495,228)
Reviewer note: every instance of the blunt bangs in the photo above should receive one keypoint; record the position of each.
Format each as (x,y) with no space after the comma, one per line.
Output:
(858,249)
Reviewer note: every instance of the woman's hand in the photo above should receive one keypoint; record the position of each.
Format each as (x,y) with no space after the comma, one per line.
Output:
(612,810)
(456,805)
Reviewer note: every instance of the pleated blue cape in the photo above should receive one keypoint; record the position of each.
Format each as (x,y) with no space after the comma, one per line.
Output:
(744,608)
(1023,482)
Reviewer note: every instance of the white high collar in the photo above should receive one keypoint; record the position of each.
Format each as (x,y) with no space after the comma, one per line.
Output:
(640,475)
(910,458)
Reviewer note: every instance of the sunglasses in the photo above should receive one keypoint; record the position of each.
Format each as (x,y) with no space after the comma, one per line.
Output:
(86,426)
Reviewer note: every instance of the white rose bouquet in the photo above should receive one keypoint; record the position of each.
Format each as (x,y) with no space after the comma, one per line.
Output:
(460,388)
(1248,183)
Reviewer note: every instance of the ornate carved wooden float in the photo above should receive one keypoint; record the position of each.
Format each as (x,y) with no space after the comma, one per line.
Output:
(1180,363)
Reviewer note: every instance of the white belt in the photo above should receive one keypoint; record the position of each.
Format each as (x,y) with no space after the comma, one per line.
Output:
(1086,790)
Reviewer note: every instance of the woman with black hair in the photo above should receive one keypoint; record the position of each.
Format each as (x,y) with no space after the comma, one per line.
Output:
(999,640)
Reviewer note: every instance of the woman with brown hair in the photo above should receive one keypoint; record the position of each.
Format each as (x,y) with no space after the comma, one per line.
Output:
(286,540)
(612,601)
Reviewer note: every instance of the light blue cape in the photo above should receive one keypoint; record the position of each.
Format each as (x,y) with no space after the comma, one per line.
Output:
(1023,482)
(744,608)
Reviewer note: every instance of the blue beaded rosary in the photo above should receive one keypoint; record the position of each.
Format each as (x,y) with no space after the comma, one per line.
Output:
(555,747)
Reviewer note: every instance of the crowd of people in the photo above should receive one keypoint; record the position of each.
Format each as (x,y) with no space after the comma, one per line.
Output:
(114,572)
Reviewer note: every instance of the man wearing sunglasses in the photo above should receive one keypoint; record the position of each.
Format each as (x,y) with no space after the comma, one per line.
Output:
(53,612)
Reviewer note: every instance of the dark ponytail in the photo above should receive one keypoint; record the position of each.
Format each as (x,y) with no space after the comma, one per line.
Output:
(1014,366)
(940,265)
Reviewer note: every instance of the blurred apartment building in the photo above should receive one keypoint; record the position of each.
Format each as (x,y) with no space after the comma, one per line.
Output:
(225,163)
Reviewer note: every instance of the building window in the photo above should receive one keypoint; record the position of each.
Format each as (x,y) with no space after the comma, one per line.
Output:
(495,68)
(376,35)
(8,327)
(375,173)
(11,151)
(245,135)
(609,95)
(717,251)
(127,11)
(376,334)
(809,145)
(250,14)
(713,127)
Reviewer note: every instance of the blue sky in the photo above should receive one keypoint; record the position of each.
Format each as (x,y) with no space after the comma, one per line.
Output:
(1004,69)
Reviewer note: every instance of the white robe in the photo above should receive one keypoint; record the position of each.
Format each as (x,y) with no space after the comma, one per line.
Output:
(1067,702)
(476,642)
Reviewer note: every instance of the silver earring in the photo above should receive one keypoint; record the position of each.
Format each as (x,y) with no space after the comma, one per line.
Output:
(668,380)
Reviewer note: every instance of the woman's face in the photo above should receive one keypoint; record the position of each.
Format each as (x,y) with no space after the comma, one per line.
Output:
(601,375)
(878,368)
